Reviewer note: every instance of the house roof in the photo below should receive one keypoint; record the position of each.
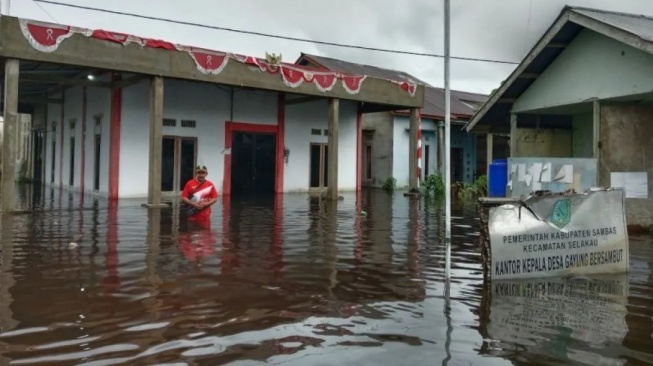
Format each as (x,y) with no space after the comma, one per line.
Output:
(631,29)
(333,64)
(463,104)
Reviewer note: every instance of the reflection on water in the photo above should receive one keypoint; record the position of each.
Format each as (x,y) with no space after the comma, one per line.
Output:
(293,281)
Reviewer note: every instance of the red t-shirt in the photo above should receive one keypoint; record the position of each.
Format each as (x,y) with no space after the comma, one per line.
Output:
(205,193)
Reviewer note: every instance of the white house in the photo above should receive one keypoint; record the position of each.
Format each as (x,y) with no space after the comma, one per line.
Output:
(386,134)
(131,117)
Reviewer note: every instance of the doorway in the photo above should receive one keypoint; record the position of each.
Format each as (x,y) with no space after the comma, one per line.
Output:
(367,163)
(71,178)
(253,163)
(427,161)
(96,163)
(53,159)
(37,155)
(318,165)
(457,165)
(178,161)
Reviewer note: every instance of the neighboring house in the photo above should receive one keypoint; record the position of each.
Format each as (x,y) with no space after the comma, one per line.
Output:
(386,134)
(131,116)
(584,92)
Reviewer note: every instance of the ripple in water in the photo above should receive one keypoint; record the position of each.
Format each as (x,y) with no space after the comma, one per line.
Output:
(294,281)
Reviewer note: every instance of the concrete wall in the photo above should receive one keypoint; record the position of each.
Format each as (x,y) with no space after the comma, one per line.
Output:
(552,143)
(582,127)
(627,146)
(591,66)
(300,119)
(459,139)
(382,126)
(208,105)
(98,104)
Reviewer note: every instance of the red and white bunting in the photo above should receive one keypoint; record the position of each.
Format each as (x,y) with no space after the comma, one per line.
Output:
(324,81)
(207,61)
(292,77)
(47,37)
(122,38)
(353,83)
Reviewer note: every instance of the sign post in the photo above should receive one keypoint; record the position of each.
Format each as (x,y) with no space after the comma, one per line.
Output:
(559,235)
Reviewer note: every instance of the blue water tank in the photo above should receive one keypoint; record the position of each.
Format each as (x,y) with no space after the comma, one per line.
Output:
(498,178)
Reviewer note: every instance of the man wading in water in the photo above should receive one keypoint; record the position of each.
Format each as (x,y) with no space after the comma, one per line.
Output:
(199,194)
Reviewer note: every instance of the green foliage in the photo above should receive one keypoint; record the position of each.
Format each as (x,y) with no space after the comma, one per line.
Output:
(466,192)
(434,185)
(389,185)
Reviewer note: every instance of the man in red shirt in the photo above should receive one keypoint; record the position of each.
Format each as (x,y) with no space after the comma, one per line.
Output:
(199,194)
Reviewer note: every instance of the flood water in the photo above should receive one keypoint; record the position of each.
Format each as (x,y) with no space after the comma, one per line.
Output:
(293,281)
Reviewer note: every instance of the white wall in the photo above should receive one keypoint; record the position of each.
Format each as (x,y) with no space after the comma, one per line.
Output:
(98,102)
(210,106)
(401,138)
(300,119)
(53,115)
(591,66)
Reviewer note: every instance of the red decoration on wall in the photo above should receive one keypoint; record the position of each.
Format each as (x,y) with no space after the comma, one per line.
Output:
(407,87)
(207,61)
(292,77)
(122,38)
(46,37)
(324,81)
(352,84)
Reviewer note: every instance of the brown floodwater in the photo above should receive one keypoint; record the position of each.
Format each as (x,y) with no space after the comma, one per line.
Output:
(293,281)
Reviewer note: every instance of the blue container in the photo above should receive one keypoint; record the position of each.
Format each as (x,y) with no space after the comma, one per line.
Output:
(498,178)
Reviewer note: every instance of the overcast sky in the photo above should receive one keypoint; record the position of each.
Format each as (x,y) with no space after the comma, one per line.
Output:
(490,29)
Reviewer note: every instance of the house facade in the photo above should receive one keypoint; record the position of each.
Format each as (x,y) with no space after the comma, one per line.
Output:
(195,131)
(583,95)
(131,117)
(386,134)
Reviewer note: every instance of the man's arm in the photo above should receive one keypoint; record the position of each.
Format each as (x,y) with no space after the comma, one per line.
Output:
(213,197)
(184,197)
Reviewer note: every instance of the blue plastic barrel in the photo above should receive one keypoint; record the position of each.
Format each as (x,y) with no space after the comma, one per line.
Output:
(498,178)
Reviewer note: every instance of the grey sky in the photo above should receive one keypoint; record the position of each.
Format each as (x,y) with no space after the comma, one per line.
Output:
(493,29)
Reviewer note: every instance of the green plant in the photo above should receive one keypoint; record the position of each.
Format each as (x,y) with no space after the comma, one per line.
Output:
(390,184)
(472,191)
(434,185)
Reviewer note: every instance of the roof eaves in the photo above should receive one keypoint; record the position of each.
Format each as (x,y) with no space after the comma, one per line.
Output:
(550,34)
(622,35)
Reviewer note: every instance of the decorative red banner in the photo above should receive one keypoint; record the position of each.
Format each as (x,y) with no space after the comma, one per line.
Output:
(324,82)
(47,37)
(352,84)
(207,61)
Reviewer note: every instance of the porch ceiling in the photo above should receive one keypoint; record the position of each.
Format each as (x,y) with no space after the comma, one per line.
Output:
(78,52)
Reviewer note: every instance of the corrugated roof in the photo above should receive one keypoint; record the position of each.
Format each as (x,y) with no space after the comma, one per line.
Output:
(434,103)
(637,32)
(433,97)
(360,69)
(640,25)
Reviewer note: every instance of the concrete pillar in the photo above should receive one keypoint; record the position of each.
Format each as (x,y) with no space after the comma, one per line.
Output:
(156,136)
(441,148)
(7,280)
(413,182)
(596,131)
(596,135)
(332,181)
(489,148)
(513,135)
(12,70)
